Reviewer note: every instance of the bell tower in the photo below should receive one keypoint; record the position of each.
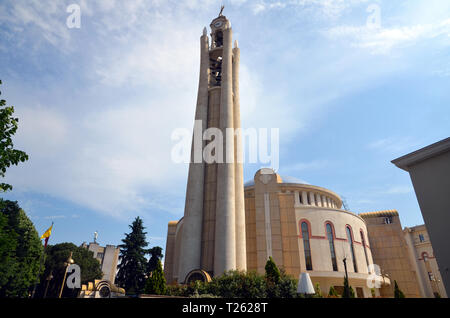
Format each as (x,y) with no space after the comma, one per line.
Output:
(213,227)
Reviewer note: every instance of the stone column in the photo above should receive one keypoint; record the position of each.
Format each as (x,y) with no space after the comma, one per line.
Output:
(319,200)
(296,199)
(311,198)
(305,197)
(324,201)
(191,236)
(241,248)
(225,239)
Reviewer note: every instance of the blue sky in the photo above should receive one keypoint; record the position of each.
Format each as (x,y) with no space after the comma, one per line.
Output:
(97,105)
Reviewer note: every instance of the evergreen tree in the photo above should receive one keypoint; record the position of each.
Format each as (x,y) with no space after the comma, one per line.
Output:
(156,283)
(397,292)
(133,264)
(272,272)
(273,278)
(20,251)
(155,256)
(333,292)
(348,290)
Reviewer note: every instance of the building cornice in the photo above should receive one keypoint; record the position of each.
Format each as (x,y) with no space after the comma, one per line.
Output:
(433,150)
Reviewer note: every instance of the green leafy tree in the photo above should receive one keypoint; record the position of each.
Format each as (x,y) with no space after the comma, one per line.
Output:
(156,283)
(20,251)
(155,257)
(55,256)
(8,155)
(133,264)
(397,292)
(233,284)
(237,284)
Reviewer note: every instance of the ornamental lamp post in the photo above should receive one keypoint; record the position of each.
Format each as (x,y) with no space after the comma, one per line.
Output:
(66,264)
(48,279)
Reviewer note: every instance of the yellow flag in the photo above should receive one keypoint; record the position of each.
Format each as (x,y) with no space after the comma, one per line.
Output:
(47,233)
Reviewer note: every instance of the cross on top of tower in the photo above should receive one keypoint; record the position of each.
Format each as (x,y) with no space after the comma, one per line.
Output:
(221,10)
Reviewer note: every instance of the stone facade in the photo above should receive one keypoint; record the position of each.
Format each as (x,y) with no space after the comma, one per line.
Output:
(210,238)
(429,169)
(391,252)
(422,257)
(108,258)
(276,207)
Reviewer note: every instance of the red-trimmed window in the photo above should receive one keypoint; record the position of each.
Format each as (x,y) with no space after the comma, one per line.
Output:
(352,249)
(306,245)
(330,236)
(363,242)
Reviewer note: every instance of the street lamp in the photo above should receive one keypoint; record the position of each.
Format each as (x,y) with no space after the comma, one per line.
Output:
(48,279)
(66,264)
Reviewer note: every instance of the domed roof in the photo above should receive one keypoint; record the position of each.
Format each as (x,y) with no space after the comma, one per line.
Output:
(286,179)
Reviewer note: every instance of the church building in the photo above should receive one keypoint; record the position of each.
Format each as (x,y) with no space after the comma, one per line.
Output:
(229,225)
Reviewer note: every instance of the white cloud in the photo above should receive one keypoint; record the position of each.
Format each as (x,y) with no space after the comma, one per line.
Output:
(42,20)
(394,145)
(329,9)
(312,165)
(115,157)
(402,189)
(383,40)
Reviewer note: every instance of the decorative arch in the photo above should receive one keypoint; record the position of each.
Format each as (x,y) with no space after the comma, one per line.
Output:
(300,228)
(197,274)
(332,227)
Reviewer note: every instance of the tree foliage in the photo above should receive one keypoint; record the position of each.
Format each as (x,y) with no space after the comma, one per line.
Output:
(156,283)
(8,155)
(239,284)
(133,264)
(348,290)
(272,272)
(55,257)
(20,251)
(318,291)
(155,257)
(333,293)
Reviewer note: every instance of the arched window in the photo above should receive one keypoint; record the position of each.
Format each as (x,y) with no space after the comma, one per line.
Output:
(306,246)
(331,242)
(363,242)
(350,241)
(219,39)
(425,256)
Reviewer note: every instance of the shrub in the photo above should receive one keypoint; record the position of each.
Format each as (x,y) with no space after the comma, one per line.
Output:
(156,283)
(333,293)
(318,293)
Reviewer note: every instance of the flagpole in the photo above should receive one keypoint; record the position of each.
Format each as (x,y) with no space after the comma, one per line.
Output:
(40,266)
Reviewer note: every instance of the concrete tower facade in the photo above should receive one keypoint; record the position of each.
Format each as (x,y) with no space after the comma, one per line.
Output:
(210,238)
